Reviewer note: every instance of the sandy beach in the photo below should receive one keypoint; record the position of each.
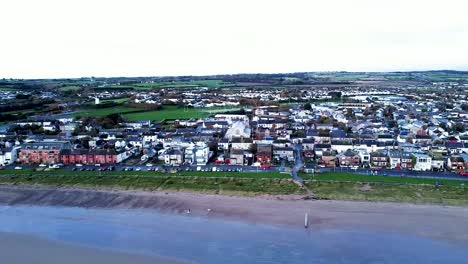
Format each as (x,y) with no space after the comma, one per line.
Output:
(41,251)
(446,223)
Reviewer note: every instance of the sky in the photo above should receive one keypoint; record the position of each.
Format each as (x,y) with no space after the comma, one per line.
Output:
(81,38)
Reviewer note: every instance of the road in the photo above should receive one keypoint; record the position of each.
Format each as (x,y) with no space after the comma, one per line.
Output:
(298,166)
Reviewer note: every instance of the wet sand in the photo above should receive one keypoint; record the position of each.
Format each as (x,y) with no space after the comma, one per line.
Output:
(446,223)
(23,249)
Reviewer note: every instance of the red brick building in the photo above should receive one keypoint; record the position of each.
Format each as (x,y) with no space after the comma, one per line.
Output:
(92,156)
(42,152)
(264,154)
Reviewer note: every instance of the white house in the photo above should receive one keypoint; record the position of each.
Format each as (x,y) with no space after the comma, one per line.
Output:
(8,155)
(438,163)
(198,155)
(423,162)
(173,157)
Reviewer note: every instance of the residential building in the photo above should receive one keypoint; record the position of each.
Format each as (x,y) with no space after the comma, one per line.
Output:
(42,152)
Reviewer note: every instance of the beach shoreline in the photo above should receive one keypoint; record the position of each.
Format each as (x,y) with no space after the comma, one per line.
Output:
(41,250)
(447,223)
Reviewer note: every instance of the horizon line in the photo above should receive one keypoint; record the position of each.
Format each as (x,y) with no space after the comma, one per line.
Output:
(239,73)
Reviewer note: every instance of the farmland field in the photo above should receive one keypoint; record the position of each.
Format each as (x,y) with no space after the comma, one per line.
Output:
(98,112)
(168,112)
(116,100)
(168,84)
(69,88)
(174,112)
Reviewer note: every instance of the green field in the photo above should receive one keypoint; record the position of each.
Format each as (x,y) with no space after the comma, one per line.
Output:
(175,112)
(117,100)
(99,112)
(169,84)
(69,88)
(168,112)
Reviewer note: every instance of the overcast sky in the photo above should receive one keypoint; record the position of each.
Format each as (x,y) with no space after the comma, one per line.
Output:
(64,38)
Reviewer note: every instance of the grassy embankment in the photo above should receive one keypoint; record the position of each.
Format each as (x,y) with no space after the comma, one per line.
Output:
(240,183)
(348,186)
(337,186)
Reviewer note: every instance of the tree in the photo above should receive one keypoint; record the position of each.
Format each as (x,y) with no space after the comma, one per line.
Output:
(308,106)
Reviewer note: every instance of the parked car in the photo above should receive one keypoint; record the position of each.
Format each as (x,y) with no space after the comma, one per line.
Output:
(464,173)
(18,168)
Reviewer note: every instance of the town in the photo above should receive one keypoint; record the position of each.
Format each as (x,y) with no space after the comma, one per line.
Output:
(404,124)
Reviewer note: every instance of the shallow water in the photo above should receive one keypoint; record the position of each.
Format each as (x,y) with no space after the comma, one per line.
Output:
(205,240)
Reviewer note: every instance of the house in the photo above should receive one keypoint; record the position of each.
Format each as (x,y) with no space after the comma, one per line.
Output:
(379,159)
(286,153)
(328,159)
(198,155)
(135,141)
(238,130)
(394,159)
(406,161)
(68,126)
(93,156)
(341,146)
(236,157)
(137,124)
(423,162)
(456,163)
(320,148)
(264,154)
(174,157)
(425,139)
(454,147)
(363,156)
(218,124)
(384,138)
(438,163)
(308,148)
(8,155)
(223,144)
(42,152)
(349,158)
(241,143)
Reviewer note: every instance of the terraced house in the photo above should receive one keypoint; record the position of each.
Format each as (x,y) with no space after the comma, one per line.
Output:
(42,152)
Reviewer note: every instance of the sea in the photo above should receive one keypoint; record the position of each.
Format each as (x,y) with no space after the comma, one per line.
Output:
(214,240)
